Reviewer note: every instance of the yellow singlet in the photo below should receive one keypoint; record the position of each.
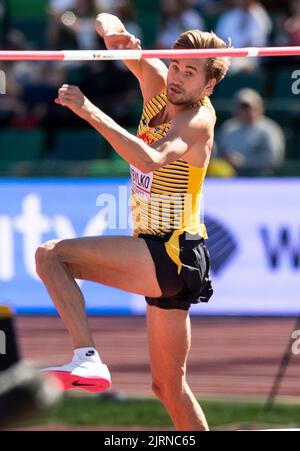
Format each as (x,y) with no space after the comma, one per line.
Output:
(169,198)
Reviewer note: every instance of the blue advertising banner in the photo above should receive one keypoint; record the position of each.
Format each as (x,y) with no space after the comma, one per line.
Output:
(254,241)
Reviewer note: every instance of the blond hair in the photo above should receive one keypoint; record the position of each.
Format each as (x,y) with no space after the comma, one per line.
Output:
(196,39)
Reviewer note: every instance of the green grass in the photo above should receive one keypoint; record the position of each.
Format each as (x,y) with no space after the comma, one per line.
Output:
(149,412)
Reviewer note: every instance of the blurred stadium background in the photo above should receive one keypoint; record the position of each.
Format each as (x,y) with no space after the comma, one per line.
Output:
(53,167)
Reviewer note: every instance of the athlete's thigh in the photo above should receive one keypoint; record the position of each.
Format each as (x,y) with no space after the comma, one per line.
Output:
(169,342)
(120,262)
(112,278)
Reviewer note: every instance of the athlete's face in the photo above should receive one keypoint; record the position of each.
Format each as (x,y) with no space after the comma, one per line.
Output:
(187,81)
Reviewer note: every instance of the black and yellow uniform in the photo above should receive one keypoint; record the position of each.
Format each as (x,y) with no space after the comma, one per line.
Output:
(166,214)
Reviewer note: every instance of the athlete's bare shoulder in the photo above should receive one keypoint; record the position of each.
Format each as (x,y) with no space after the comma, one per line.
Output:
(195,127)
(197,117)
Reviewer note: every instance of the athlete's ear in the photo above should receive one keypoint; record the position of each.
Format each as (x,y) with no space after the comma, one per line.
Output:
(209,88)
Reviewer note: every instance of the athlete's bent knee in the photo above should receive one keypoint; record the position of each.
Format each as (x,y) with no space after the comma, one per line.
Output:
(44,254)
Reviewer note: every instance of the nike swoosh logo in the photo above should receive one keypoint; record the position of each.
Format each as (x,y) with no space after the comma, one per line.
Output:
(78,384)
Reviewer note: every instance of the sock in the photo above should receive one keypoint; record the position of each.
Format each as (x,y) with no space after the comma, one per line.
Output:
(87,354)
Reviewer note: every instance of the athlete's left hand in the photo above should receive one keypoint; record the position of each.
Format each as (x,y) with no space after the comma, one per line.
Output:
(72,98)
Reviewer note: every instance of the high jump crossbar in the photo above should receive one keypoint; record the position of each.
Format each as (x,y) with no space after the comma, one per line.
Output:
(106,55)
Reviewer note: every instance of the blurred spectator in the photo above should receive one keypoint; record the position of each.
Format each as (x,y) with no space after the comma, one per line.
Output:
(71,24)
(119,97)
(11,103)
(286,32)
(59,6)
(125,11)
(110,84)
(275,5)
(39,90)
(292,24)
(208,6)
(177,16)
(31,89)
(10,100)
(3,22)
(24,117)
(247,24)
(10,37)
(250,140)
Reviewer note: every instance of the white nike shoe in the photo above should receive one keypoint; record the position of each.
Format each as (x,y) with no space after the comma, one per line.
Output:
(84,374)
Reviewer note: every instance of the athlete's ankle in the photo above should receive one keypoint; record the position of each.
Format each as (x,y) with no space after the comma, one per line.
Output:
(88,353)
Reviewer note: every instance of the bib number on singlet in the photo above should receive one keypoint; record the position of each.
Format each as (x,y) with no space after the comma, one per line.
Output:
(142,183)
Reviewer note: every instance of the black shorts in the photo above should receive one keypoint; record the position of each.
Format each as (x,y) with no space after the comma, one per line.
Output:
(182,266)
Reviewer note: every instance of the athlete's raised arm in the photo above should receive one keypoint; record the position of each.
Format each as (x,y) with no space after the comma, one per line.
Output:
(188,130)
(151,74)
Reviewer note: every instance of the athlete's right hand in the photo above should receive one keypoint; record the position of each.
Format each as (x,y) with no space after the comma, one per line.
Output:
(121,41)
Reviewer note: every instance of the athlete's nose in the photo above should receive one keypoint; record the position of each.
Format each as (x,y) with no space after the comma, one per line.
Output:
(176,80)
